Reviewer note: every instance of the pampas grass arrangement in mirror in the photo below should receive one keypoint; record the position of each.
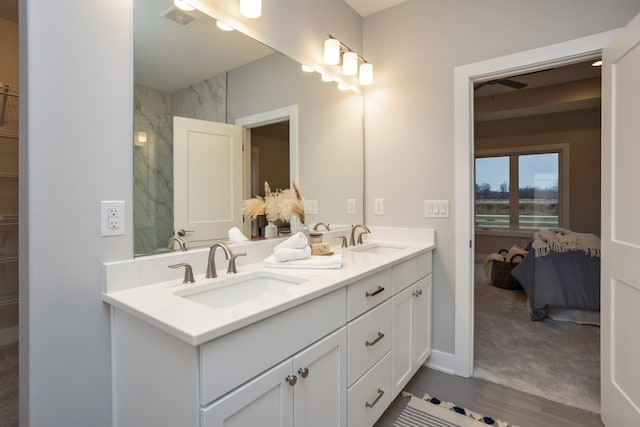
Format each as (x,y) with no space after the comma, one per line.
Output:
(276,205)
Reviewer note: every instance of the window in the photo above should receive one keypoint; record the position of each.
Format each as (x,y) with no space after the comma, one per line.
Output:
(521,190)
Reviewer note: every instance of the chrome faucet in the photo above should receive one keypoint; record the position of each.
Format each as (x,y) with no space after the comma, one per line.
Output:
(188,272)
(352,240)
(181,243)
(326,226)
(228,254)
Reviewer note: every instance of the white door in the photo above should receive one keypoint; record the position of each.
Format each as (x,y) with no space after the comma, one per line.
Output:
(620,278)
(320,394)
(207,179)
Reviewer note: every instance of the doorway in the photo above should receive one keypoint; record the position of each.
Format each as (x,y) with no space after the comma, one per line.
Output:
(534,60)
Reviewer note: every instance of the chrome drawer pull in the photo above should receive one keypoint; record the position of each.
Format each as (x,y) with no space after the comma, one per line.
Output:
(374,293)
(304,372)
(371,405)
(378,338)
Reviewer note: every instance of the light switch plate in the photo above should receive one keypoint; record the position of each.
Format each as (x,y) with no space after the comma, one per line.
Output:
(311,207)
(436,209)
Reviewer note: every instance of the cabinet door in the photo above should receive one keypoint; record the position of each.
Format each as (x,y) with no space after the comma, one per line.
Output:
(320,394)
(402,339)
(422,322)
(266,401)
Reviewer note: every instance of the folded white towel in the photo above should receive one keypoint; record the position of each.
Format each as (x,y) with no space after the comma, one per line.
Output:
(321,261)
(290,254)
(297,241)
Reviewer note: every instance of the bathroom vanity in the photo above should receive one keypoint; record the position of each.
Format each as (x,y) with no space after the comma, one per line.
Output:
(311,347)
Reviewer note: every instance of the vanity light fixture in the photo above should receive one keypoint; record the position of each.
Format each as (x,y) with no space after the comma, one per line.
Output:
(337,53)
(251,8)
(224,27)
(366,74)
(183,5)
(350,64)
(331,51)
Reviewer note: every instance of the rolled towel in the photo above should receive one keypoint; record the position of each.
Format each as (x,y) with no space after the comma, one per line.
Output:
(235,235)
(322,262)
(297,241)
(289,254)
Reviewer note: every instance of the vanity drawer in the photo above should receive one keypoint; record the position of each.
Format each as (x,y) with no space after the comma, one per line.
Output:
(368,398)
(235,358)
(411,271)
(369,339)
(367,293)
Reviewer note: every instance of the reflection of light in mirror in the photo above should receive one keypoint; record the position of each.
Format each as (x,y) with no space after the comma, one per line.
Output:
(342,86)
(326,78)
(224,27)
(251,8)
(142,137)
(180,4)
(307,69)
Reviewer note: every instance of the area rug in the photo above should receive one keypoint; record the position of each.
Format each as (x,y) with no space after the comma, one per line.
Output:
(431,412)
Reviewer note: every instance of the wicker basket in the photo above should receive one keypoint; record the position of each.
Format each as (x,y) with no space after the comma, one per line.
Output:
(501,272)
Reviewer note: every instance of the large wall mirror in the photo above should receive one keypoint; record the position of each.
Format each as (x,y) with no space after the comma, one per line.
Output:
(186,66)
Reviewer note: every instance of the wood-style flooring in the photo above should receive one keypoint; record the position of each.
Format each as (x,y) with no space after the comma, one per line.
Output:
(489,399)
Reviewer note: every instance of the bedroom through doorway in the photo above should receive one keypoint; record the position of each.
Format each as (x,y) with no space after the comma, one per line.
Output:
(537,166)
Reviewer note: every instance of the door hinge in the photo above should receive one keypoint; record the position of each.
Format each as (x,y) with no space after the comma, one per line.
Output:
(470,244)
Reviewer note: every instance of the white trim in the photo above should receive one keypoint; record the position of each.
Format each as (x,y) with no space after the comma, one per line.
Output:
(8,336)
(441,361)
(564,53)
(274,116)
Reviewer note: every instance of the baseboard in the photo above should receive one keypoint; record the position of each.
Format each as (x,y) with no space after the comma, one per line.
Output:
(8,336)
(441,361)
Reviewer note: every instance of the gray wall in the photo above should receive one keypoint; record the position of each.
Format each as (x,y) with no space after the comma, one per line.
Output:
(415,47)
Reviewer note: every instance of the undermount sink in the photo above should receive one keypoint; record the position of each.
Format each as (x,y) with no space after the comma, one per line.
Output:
(227,292)
(377,248)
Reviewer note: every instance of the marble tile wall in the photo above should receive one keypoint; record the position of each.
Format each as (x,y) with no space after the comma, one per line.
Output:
(153,158)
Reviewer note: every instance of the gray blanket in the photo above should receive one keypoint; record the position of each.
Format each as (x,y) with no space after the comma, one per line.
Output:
(560,279)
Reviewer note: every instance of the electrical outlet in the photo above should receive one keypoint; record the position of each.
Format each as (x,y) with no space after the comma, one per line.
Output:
(351,206)
(378,207)
(112,218)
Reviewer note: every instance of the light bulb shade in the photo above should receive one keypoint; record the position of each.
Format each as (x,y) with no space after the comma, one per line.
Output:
(251,8)
(180,4)
(366,74)
(350,64)
(331,51)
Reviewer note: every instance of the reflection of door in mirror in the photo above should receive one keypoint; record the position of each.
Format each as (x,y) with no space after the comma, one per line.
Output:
(269,162)
(207,179)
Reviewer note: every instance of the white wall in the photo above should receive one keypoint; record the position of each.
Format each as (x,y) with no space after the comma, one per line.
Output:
(409,110)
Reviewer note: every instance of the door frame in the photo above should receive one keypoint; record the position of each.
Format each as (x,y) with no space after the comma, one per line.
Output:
(556,55)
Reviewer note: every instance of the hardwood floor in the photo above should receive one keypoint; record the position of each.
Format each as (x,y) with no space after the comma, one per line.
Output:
(489,399)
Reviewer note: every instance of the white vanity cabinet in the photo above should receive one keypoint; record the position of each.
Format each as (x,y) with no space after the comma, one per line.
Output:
(305,390)
(411,313)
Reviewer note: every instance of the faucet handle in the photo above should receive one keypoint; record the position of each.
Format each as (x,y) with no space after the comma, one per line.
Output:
(188,272)
(343,240)
(231,268)
(360,237)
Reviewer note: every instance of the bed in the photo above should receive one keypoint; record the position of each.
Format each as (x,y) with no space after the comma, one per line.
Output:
(561,276)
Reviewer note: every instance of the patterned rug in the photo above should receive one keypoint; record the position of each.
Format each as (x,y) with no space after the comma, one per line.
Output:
(431,412)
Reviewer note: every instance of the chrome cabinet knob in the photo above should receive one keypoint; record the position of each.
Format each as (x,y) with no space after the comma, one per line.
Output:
(303,372)
(291,379)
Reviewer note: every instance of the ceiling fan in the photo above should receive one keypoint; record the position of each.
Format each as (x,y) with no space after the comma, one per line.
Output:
(505,82)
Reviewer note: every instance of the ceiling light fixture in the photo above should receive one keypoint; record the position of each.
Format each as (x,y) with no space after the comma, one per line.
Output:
(183,5)
(251,8)
(598,63)
(224,27)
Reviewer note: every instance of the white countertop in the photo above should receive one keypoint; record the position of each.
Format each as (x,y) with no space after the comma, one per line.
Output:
(195,323)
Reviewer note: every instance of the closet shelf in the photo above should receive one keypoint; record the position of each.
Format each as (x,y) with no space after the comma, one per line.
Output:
(8,258)
(8,174)
(9,299)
